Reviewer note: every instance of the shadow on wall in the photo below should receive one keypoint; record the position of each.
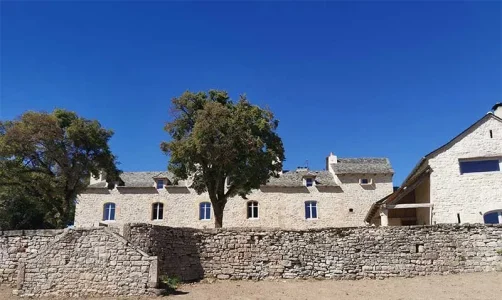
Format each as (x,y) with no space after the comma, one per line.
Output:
(133,190)
(177,250)
(329,189)
(284,190)
(178,190)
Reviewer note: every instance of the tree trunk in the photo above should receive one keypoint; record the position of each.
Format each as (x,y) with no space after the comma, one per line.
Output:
(218,214)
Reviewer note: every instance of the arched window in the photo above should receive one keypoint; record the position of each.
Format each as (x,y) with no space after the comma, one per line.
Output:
(310,209)
(109,211)
(253,210)
(157,211)
(205,211)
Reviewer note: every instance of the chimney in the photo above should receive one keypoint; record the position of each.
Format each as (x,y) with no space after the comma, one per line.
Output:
(497,109)
(331,159)
(301,169)
(101,178)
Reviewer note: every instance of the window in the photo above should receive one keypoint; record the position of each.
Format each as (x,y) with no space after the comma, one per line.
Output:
(476,166)
(493,217)
(109,212)
(365,181)
(309,181)
(158,211)
(160,184)
(252,210)
(310,210)
(205,211)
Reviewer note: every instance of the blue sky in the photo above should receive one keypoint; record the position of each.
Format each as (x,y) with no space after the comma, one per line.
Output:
(393,79)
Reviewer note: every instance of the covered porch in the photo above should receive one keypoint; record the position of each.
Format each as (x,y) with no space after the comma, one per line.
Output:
(409,205)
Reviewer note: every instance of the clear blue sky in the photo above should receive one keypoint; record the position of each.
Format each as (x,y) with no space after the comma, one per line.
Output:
(393,79)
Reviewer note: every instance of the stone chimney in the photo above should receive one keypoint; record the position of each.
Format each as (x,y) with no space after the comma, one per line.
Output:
(497,109)
(101,178)
(331,159)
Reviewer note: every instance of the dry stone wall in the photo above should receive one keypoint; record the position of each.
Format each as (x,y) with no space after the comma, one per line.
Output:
(19,244)
(338,253)
(76,262)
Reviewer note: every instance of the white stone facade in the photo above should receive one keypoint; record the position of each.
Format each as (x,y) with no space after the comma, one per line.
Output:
(460,182)
(279,207)
(469,195)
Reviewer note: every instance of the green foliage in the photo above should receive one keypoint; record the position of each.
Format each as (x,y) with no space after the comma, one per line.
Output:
(170,283)
(214,139)
(499,252)
(45,162)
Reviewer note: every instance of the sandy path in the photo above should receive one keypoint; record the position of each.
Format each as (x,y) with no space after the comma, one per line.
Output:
(485,286)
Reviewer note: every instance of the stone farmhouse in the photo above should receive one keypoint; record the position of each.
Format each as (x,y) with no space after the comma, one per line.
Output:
(460,182)
(339,196)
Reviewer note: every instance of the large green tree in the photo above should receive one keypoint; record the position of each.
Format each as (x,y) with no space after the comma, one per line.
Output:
(46,160)
(214,139)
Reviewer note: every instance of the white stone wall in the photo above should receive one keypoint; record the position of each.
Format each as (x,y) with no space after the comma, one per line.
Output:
(278,207)
(470,195)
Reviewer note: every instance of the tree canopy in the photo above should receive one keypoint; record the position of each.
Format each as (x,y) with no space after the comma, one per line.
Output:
(215,139)
(46,160)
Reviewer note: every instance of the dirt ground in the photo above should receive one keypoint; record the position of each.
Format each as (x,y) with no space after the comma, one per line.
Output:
(473,286)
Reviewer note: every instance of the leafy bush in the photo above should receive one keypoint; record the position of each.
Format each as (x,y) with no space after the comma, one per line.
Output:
(170,283)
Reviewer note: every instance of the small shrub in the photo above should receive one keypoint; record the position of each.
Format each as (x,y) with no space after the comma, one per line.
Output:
(170,283)
(461,258)
(499,252)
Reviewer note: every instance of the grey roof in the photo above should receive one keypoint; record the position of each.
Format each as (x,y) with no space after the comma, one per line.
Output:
(362,166)
(138,179)
(295,179)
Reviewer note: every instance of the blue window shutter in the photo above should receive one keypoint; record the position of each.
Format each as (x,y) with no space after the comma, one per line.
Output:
(307,211)
(105,212)
(208,211)
(314,210)
(201,211)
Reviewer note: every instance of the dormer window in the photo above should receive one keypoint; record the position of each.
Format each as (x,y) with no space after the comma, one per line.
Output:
(365,181)
(160,184)
(309,181)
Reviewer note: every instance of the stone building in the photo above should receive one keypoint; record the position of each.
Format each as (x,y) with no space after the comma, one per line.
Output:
(338,196)
(460,182)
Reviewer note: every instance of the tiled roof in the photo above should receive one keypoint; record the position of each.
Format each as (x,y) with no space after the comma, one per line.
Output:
(362,166)
(295,179)
(138,179)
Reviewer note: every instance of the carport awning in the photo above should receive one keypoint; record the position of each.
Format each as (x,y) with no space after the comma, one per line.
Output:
(401,193)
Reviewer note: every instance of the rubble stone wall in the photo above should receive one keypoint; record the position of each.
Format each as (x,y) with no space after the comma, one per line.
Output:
(338,253)
(19,244)
(87,262)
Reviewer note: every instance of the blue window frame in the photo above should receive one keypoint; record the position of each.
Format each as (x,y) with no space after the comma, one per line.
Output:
(160,184)
(157,211)
(205,211)
(109,212)
(493,217)
(309,181)
(476,166)
(311,210)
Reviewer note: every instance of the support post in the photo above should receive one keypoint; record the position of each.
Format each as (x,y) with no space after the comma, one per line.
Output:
(384,217)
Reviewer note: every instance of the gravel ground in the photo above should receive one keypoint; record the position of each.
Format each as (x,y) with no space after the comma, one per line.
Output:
(472,286)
